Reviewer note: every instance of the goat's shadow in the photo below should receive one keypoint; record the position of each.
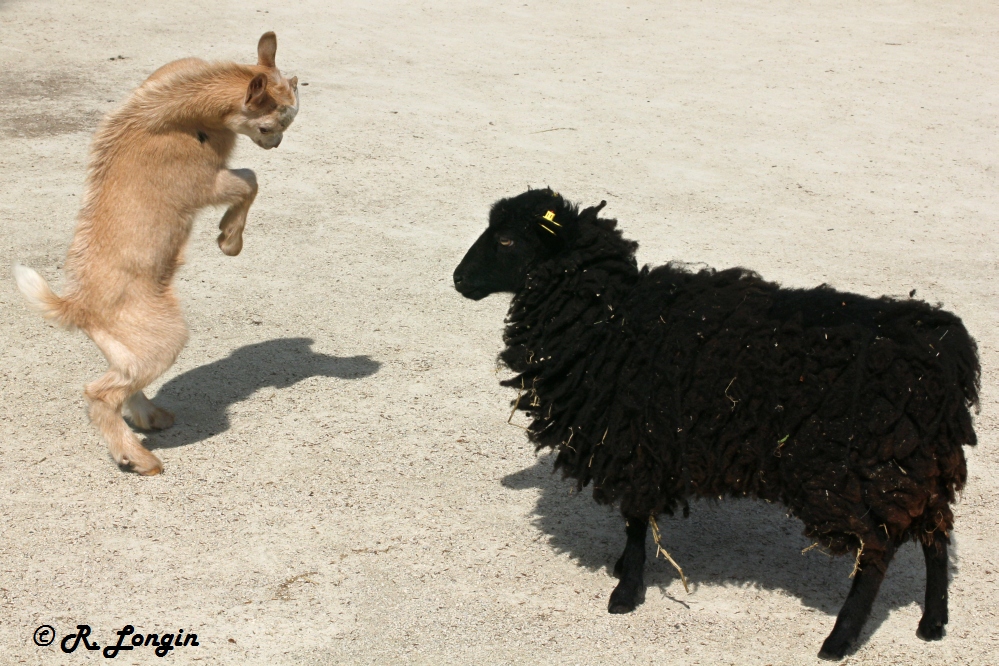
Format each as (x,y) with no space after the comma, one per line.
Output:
(731,542)
(201,397)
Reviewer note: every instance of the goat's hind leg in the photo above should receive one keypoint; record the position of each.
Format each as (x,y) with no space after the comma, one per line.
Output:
(150,335)
(106,397)
(857,607)
(236,188)
(145,415)
(931,626)
(630,568)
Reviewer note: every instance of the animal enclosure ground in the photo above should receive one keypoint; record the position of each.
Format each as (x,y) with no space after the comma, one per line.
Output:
(341,484)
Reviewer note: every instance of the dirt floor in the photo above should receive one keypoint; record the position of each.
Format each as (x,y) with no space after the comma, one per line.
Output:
(341,485)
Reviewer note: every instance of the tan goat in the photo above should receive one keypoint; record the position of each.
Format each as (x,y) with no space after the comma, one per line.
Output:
(154,163)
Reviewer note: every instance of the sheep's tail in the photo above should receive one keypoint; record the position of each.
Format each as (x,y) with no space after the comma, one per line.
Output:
(962,370)
(40,296)
(962,348)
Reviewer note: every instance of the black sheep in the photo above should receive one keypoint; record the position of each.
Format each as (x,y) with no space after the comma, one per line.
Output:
(664,384)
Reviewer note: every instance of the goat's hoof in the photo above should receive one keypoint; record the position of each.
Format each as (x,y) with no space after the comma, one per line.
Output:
(833,650)
(625,600)
(150,465)
(152,471)
(152,419)
(161,419)
(930,630)
(230,246)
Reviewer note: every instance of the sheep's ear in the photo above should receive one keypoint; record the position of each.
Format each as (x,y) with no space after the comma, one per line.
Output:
(549,224)
(266,48)
(590,214)
(556,229)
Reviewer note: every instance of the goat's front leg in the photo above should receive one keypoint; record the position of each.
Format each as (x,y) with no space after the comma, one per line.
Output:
(630,568)
(236,188)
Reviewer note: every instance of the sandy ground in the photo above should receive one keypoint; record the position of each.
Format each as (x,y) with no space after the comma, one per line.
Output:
(342,485)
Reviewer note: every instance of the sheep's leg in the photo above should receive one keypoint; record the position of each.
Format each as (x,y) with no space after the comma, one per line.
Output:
(931,626)
(857,606)
(630,592)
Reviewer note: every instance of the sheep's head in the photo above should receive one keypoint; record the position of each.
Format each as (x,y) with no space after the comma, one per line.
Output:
(523,231)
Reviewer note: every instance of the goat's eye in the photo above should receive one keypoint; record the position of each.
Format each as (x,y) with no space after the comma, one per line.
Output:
(505,242)
(265,130)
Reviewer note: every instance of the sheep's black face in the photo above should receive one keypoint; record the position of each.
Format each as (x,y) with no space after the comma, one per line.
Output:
(523,231)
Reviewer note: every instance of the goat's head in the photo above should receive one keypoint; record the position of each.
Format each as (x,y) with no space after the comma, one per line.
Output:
(523,231)
(270,103)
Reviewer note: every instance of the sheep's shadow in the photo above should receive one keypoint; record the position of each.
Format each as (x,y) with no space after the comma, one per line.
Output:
(201,397)
(731,542)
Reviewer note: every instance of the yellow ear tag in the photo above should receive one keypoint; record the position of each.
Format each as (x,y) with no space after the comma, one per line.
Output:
(550,216)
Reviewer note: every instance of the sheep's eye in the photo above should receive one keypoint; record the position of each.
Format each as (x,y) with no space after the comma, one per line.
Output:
(505,242)
(265,130)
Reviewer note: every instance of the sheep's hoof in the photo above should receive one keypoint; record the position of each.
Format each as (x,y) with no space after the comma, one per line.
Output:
(930,630)
(833,652)
(625,599)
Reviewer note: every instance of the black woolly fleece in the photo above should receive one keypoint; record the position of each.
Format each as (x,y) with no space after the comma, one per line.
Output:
(662,384)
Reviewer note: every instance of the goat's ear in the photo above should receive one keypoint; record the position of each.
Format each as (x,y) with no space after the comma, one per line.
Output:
(266,48)
(256,92)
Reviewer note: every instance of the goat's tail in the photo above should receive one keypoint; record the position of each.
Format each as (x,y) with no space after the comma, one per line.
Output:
(40,296)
